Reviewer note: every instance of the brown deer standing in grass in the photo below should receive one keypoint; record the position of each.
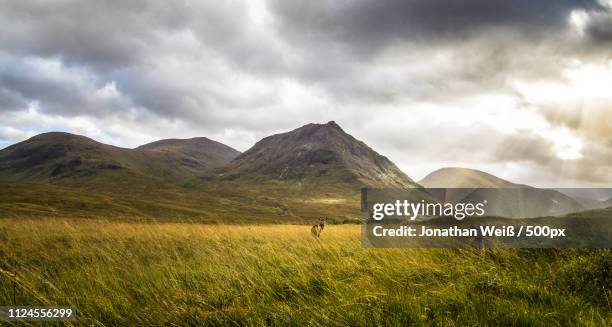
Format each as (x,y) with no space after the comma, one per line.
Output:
(316,229)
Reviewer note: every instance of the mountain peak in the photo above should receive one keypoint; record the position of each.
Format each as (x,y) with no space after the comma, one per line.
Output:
(320,152)
(60,137)
(333,124)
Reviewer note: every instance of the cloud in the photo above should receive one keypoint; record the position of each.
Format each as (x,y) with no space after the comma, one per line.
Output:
(370,25)
(57,88)
(598,25)
(380,51)
(514,87)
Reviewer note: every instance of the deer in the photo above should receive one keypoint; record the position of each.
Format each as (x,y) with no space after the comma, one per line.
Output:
(316,229)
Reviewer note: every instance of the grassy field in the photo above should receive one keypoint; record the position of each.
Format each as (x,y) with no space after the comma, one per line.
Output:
(208,202)
(117,273)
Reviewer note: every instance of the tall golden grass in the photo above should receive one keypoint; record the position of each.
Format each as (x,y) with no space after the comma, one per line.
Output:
(117,273)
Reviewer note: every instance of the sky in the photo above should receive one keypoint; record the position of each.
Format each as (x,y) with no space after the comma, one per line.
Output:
(521,89)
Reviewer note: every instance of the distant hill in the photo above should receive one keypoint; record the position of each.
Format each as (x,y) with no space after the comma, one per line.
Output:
(319,153)
(75,159)
(589,203)
(526,202)
(505,198)
(590,198)
(466,178)
(195,152)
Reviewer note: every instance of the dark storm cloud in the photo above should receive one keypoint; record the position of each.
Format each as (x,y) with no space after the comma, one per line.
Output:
(486,43)
(93,34)
(599,28)
(108,35)
(369,25)
(123,41)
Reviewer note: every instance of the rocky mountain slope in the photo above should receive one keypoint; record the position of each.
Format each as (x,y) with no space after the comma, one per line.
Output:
(318,152)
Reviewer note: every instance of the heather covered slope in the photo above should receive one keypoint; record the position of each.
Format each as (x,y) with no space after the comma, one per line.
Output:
(319,153)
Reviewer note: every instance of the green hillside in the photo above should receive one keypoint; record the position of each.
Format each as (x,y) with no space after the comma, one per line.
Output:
(69,159)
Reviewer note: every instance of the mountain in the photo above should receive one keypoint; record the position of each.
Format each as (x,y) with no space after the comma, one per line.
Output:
(318,153)
(504,198)
(76,159)
(195,152)
(67,175)
(465,178)
(589,203)
(590,198)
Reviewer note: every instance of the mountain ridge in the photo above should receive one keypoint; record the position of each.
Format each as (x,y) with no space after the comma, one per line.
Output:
(57,156)
(314,153)
(317,171)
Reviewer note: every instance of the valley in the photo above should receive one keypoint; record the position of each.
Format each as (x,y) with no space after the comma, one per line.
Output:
(194,231)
